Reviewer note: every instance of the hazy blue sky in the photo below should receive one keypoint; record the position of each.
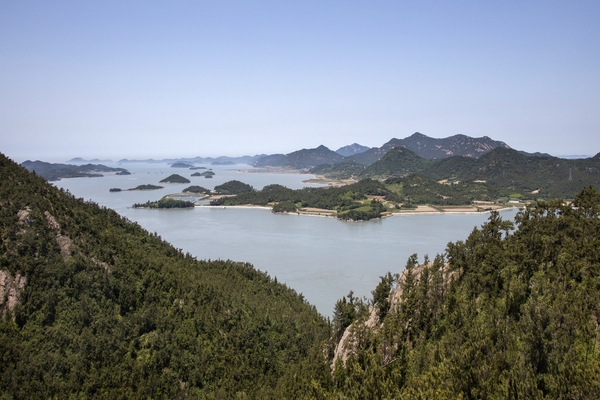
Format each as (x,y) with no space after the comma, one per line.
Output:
(184,78)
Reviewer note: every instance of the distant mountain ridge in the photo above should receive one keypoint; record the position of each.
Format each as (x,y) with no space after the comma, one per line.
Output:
(80,160)
(457,145)
(501,170)
(55,172)
(351,149)
(201,160)
(305,158)
(432,148)
(422,145)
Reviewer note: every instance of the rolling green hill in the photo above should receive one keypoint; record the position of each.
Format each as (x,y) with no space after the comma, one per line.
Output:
(399,161)
(509,171)
(504,172)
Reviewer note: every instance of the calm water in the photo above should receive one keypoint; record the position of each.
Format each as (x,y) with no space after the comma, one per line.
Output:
(322,258)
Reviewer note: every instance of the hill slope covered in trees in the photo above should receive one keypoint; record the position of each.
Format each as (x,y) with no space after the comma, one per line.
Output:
(508,313)
(92,305)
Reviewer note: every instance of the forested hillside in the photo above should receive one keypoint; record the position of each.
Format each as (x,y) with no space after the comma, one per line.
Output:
(503,171)
(350,202)
(93,306)
(512,312)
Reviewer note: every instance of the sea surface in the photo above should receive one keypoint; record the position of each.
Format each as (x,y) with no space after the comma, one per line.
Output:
(322,258)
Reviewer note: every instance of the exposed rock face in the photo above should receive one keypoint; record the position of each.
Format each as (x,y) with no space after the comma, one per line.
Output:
(10,290)
(348,343)
(64,242)
(24,217)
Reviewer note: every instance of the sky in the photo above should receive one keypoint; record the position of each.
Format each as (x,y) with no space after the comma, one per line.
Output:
(163,79)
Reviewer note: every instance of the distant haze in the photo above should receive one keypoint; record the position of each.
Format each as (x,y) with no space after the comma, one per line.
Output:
(139,79)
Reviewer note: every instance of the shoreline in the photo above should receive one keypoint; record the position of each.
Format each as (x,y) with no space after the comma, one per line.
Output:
(331,215)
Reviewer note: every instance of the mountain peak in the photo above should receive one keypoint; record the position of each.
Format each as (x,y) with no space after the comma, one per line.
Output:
(351,149)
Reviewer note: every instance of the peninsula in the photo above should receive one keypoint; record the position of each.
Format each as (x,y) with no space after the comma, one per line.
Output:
(56,172)
(359,201)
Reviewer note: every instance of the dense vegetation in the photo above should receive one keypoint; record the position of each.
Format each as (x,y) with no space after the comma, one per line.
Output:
(502,172)
(195,189)
(511,312)
(349,201)
(55,172)
(233,187)
(343,170)
(146,187)
(206,174)
(416,189)
(108,310)
(366,199)
(165,202)
(175,178)
(139,187)
(111,311)
(300,159)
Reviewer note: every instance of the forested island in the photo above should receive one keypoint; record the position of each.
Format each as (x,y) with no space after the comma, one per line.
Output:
(175,178)
(182,165)
(166,202)
(195,189)
(206,174)
(95,306)
(139,187)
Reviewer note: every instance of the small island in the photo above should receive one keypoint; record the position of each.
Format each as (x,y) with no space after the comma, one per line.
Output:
(206,174)
(164,203)
(147,187)
(182,165)
(175,178)
(197,168)
(222,163)
(233,187)
(196,189)
(140,187)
